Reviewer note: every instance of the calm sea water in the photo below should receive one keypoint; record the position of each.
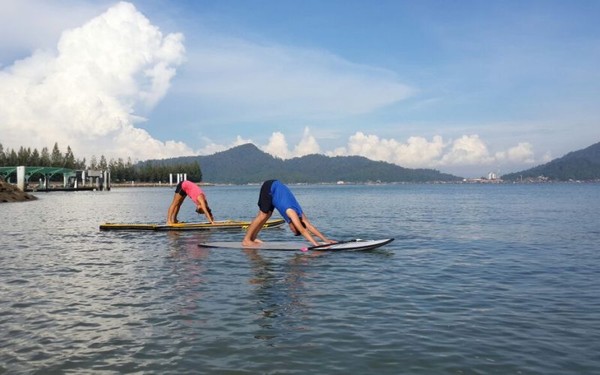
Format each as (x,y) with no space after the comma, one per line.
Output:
(481,279)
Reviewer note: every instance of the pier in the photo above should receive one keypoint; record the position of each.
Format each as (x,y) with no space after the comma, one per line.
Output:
(45,178)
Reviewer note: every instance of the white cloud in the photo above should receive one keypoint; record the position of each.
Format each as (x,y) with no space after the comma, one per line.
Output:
(308,145)
(86,93)
(265,81)
(467,154)
(521,153)
(277,146)
(361,144)
(467,150)
(416,152)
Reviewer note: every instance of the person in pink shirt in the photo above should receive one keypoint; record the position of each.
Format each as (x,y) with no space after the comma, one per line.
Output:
(189,189)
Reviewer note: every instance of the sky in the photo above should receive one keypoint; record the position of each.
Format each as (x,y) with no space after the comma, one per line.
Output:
(465,87)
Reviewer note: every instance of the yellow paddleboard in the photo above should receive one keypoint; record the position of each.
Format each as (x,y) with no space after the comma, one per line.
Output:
(218,225)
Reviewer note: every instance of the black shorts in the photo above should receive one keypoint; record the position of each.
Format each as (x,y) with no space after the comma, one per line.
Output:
(179,190)
(265,200)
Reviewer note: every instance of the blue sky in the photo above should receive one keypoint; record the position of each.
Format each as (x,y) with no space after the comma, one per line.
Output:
(465,87)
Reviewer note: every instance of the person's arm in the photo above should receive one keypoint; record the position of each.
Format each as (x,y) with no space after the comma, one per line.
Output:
(203,206)
(314,230)
(306,232)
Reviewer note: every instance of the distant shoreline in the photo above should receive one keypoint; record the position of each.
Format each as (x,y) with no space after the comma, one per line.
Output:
(10,193)
(149,184)
(465,182)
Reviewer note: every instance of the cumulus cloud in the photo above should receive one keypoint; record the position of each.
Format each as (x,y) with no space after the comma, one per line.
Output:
(521,153)
(88,93)
(415,152)
(467,150)
(308,145)
(418,152)
(277,146)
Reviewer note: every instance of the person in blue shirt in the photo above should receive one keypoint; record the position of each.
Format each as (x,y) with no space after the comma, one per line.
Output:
(275,195)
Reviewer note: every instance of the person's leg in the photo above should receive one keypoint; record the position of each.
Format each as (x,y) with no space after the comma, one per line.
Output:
(174,208)
(265,210)
(254,228)
(178,199)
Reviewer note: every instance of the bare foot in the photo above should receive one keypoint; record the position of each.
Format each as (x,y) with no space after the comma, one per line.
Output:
(251,243)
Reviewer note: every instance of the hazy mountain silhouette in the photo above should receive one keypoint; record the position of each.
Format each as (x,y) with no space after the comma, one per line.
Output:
(247,164)
(581,165)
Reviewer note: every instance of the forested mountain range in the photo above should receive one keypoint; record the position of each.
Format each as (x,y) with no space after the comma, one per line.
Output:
(582,165)
(247,164)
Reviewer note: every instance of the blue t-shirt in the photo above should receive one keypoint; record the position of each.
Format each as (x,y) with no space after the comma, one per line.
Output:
(283,199)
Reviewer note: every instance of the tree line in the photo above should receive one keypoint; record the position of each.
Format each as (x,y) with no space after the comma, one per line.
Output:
(120,170)
(45,158)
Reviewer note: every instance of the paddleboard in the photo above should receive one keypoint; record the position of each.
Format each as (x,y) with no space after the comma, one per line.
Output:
(351,245)
(219,225)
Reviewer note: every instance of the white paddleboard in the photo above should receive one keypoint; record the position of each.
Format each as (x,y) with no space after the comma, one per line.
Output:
(351,245)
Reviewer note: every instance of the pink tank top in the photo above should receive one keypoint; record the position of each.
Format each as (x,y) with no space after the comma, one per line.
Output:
(192,190)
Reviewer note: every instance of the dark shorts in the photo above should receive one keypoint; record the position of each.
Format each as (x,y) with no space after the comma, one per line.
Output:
(179,190)
(265,200)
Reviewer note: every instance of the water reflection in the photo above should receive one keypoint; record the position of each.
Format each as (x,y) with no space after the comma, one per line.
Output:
(280,289)
(188,270)
(277,302)
(184,246)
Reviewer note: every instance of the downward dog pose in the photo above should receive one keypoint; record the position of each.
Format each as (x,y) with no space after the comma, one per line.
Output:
(276,195)
(189,189)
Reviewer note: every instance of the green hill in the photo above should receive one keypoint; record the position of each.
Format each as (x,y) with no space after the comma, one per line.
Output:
(582,165)
(247,164)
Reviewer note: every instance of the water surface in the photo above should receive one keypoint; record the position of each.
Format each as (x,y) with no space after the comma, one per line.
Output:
(481,279)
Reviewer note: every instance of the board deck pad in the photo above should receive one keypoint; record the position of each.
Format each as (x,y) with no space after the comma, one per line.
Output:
(219,225)
(351,245)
